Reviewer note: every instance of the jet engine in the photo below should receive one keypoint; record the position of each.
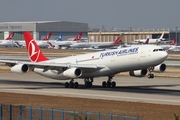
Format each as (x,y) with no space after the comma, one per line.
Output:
(20,68)
(160,68)
(72,73)
(138,73)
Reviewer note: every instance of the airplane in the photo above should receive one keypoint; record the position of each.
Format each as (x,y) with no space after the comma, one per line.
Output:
(97,45)
(151,41)
(8,42)
(172,45)
(44,42)
(137,60)
(59,44)
(41,43)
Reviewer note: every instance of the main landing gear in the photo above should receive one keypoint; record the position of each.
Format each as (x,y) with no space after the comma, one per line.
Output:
(71,84)
(88,83)
(150,75)
(109,84)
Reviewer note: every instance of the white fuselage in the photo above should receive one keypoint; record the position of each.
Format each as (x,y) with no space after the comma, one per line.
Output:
(113,61)
(94,45)
(151,41)
(7,43)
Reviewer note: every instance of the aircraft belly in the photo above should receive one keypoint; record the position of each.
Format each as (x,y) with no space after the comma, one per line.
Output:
(50,74)
(101,72)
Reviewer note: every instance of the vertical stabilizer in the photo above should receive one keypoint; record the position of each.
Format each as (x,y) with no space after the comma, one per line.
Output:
(60,37)
(47,37)
(35,54)
(173,42)
(10,37)
(119,40)
(78,37)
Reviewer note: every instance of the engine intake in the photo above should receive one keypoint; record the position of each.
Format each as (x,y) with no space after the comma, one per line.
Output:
(138,73)
(160,68)
(72,73)
(20,68)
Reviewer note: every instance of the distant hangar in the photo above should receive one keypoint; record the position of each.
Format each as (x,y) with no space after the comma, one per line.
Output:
(40,28)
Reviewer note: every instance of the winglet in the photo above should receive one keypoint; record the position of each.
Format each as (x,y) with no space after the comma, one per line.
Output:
(11,35)
(78,37)
(47,37)
(35,54)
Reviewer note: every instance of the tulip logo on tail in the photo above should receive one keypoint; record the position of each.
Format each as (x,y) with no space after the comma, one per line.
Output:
(33,53)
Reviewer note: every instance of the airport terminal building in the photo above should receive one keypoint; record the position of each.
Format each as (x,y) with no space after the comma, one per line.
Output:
(40,29)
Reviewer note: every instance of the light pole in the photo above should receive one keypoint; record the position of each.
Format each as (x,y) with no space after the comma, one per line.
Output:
(176,34)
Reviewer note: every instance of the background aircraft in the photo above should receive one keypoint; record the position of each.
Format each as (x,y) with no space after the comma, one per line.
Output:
(136,60)
(97,45)
(41,43)
(170,46)
(8,42)
(60,43)
(151,41)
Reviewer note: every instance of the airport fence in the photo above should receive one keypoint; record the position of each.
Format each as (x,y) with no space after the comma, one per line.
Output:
(10,112)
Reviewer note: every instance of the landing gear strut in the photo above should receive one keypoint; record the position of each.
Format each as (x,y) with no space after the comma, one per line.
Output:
(150,75)
(109,84)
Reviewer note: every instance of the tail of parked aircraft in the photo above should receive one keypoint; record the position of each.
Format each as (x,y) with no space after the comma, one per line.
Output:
(173,42)
(119,40)
(47,37)
(60,37)
(35,54)
(78,37)
(10,37)
(147,41)
(161,37)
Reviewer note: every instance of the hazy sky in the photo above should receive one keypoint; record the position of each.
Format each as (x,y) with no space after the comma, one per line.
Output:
(123,14)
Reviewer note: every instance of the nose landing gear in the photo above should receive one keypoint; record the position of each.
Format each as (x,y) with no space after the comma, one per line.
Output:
(150,75)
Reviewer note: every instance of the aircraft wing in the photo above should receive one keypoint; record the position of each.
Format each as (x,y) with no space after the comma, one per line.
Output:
(52,65)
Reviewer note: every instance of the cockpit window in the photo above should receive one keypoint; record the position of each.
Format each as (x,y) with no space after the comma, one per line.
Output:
(155,50)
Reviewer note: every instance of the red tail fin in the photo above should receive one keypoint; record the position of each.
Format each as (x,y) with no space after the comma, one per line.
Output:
(118,40)
(47,37)
(78,37)
(11,35)
(35,54)
(173,42)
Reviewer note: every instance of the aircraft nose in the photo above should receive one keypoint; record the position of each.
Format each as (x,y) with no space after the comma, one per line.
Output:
(164,55)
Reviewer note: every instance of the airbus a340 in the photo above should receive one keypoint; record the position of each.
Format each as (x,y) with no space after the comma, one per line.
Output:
(136,60)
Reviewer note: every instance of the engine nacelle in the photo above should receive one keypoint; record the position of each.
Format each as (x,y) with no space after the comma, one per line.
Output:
(160,68)
(72,73)
(20,68)
(138,73)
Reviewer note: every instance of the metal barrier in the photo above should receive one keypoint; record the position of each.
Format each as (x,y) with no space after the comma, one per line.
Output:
(9,112)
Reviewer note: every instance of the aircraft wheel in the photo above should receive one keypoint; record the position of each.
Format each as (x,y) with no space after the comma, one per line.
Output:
(108,84)
(113,84)
(76,84)
(71,85)
(90,84)
(149,76)
(152,76)
(104,84)
(66,85)
(86,84)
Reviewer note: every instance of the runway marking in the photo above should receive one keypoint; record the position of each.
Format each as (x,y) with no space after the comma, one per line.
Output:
(90,95)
